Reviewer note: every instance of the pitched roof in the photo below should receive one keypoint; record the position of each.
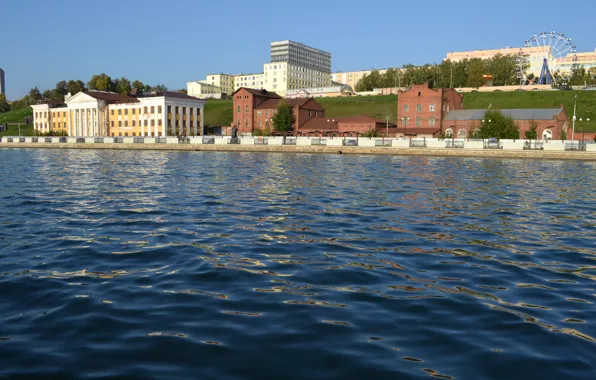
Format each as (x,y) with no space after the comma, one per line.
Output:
(110,97)
(319,124)
(272,103)
(358,119)
(515,114)
(258,92)
(177,95)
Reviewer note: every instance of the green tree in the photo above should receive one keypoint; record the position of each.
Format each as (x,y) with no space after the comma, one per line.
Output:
(4,106)
(160,88)
(34,94)
(563,135)
(61,89)
(75,86)
(532,134)
(475,72)
(48,94)
(284,119)
(495,124)
(122,86)
(101,82)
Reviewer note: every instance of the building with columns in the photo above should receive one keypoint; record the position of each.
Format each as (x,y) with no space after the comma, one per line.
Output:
(100,113)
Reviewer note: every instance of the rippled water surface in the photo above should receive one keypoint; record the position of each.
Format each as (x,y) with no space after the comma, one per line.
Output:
(193,265)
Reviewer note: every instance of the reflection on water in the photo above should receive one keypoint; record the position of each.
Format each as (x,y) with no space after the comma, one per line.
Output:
(245,265)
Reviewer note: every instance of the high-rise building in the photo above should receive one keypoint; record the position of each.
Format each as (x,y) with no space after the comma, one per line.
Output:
(2,84)
(300,55)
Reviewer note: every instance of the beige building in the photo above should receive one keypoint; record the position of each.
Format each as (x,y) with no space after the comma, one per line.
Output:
(283,76)
(224,81)
(100,113)
(351,78)
(586,59)
(204,90)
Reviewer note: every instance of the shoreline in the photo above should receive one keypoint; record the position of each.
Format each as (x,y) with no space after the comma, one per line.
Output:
(395,151)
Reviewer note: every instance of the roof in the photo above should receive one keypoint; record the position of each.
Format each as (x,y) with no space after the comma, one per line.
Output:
(327,89)
(319,124)
(258,92)
(418,130)
(111,97)
(177,95)
(273,103)
(359,119)
(515,114)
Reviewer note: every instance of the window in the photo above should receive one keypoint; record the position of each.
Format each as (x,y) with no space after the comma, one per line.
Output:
(406,107)
(134,134)
(134,111)
(418,107)
(418,121)
(158,109)
(152,109)
(120,123)
(119,112)
(126,111)
(431,107)
(112,112)
(146,123)
(145,109)
(159,122)
(112,123)
(133,123)
(238,109)
(169,109)
(183,110)
(247,108)
(449,132)
(259,123)
(419,94)
(120,134)
(126,134)
(153,123)
(266,113)
(431,121)
(259,113)
(126,123)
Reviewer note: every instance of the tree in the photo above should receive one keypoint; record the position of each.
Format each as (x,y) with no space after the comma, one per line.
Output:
(532,134)
(48,94)
(160,88)
(4,106)
(75,86)
(101,82)
(495,124)
(284,119)
(475,72)
(122,86)
(61,89)
(563,135)
(34,94)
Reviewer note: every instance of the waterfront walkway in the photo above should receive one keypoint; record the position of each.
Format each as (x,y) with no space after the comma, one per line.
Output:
(338,145)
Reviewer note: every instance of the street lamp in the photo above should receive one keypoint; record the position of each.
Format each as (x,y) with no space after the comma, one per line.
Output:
(405,124)
(584,128)
(574,117)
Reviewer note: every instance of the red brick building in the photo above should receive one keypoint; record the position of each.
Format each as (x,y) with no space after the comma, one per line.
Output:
(422,109)
(254,109)
(550,122)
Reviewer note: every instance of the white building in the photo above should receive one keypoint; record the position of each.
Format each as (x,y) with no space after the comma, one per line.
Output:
(203,90)
(100,113)
(224,81)
(254,81)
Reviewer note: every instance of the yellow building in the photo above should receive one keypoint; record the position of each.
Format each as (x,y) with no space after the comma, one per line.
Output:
(100,113)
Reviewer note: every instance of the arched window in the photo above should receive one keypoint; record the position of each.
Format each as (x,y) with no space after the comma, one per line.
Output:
(476,133)
(462,134)
(547,134)
(449,132)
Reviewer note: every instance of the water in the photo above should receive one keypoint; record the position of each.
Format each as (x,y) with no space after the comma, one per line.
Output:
(192,265)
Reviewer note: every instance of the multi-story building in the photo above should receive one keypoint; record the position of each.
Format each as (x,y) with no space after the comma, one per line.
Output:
(2,84)
(351,78)
(224,81)
(421,107)
(204,90)
(254,81)
(300,55)
(321,92)
(99,113)
(585,59)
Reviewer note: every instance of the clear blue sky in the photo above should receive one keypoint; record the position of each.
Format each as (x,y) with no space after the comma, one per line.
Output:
(172,42)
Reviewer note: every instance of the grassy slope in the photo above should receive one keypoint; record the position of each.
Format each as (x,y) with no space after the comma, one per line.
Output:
(16,116)
(218,112)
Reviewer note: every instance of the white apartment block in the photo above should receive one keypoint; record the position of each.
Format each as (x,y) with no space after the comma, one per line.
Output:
(255,81)
(224,81)
(283,76)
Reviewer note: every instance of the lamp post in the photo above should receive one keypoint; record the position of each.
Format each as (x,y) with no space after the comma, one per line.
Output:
(574,117)
(405,124)
(584,128)
(387,127)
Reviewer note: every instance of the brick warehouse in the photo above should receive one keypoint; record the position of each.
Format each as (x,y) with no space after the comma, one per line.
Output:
(423,111)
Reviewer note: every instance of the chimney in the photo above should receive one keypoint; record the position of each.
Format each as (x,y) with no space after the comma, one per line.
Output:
(67,96)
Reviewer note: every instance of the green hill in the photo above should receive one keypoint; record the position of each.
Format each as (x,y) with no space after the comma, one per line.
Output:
(16,116)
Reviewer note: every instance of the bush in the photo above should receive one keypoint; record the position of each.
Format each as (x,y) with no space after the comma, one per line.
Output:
(371,133)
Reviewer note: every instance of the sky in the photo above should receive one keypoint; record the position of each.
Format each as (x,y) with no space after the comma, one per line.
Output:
(176,41)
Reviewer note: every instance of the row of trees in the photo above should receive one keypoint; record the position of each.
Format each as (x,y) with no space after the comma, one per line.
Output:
(101,82)
(466,73)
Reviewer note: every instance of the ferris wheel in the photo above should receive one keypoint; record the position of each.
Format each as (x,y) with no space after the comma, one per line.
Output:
(547,58)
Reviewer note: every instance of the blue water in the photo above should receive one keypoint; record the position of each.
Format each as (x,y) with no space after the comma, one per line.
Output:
(196,265)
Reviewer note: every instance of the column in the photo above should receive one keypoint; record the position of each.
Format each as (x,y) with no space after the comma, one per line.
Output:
(195,121)
(202,116)
(141,122)
(188,121)
(69,123)
(180,130)
(164,117)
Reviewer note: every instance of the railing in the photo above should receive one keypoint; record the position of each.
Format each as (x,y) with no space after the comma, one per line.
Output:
(183,140)
(138,140)
(80,140)
(48,139)
(493,145)
(234,140)
(21,139)
(208,140)
(533,145)
(34,139)
(118,140)
(575,145)
(417,143)
(454,143)
(63,139)
(383,142)
(161,140)
(98,140)
(289,141)
(9,139)
(261,140)
(350,142)
(318,141)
